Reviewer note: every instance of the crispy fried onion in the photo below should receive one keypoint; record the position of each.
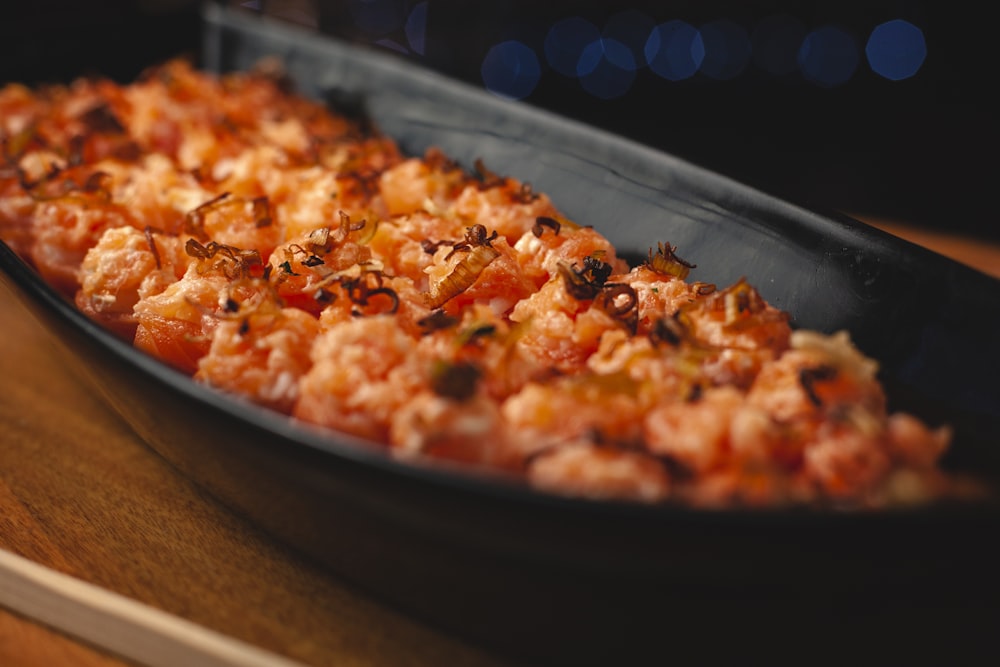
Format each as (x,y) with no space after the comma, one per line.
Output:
(519,193)
(583,284)
(312,250)
(480,253)
(247,300)
(487,179)
(676,329)
(310,256)
(101,121)
(64,182)
(621,303)
(437,160)
(366,290)
(739,307)
(231,261)
(525,194)
(617,300)
(323,240)
(262,215)
(703,289)
(541,222)
(318,242)
(362,182)
(149,231)
(743,306)
(669,331)
(430,247)
(347,226)
(359,282)
(194,220)
(666,262)
(101,118)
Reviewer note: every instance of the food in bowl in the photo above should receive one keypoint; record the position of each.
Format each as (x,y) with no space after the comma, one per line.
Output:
(278,251)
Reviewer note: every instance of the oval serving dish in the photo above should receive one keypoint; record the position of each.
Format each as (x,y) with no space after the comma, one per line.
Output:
(559,580)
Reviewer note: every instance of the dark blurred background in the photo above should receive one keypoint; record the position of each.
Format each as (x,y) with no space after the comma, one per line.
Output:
(877,109)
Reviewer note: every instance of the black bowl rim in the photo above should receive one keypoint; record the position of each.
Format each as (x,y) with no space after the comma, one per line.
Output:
(457,478)
(34,292)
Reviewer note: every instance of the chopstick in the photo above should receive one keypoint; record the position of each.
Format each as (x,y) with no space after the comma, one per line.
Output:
(117,624)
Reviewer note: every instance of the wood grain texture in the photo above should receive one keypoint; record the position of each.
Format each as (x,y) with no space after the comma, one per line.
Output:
(118,624)
(79,493)
(24,643)
(979,254)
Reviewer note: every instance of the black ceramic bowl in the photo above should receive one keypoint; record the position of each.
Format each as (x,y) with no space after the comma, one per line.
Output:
(558,580)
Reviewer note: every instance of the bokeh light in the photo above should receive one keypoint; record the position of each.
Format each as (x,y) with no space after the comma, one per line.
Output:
(565,43)
(416,28)
(896,50)
(828,56)
(607,69)
(590,58)
(631,29)
(727,49)
(775,44)
(511,70)
(674,50)
(606,60)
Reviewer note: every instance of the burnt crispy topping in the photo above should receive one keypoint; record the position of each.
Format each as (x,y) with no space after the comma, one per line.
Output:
(480,253)
(232,261)
(370,296)
(262,215)
(101,118)
(525,194)
(552,372)
(621,302)
(585,283)
(544,222)
(149,231)
(486,178)
(430,247)
(668,331)
(666,262)
(194,221)
(475,236)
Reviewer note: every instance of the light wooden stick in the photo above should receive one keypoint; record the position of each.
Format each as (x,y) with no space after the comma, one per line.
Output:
(117,624)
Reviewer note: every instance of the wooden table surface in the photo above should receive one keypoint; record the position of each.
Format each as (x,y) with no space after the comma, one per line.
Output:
(82,495)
